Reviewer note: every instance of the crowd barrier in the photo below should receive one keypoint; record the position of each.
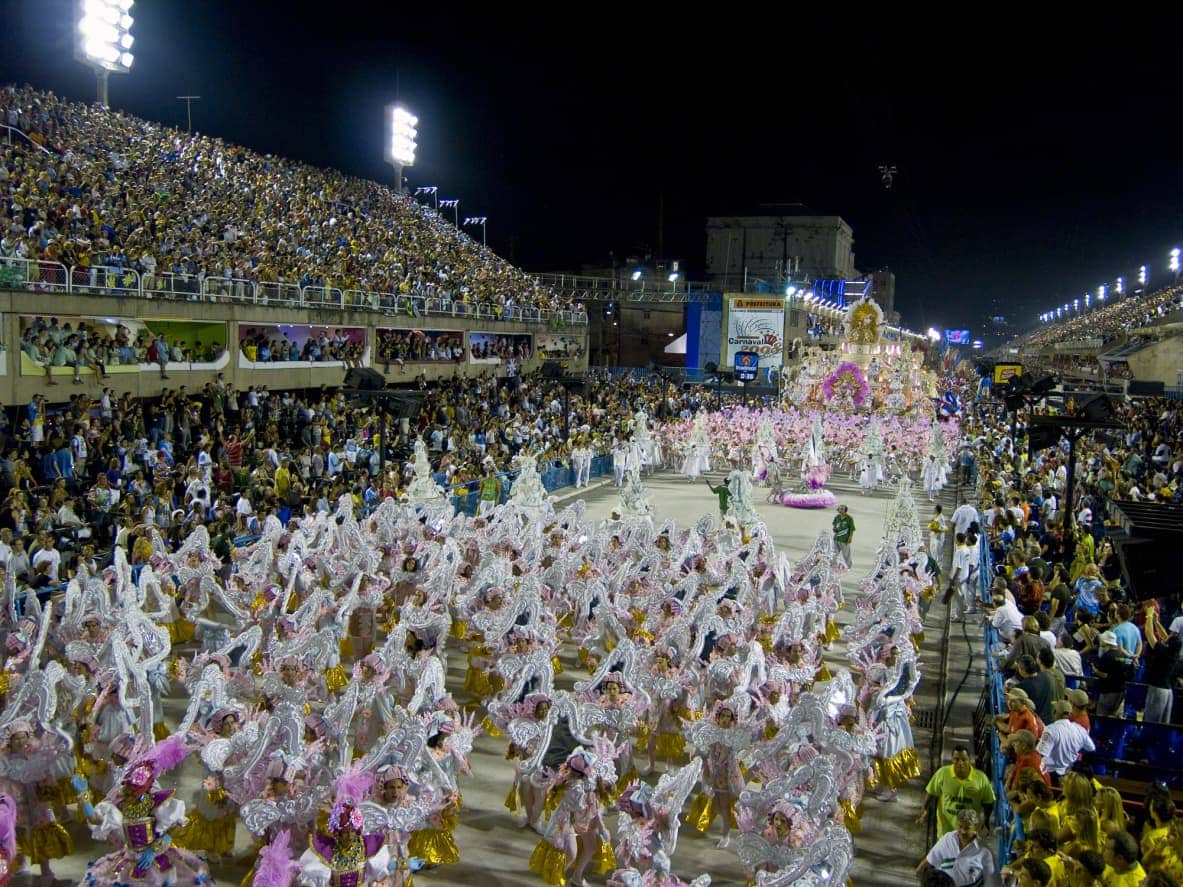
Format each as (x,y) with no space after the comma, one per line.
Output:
(54,277)
(995,704)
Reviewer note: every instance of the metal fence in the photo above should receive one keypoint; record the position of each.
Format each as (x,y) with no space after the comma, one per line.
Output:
(100,280)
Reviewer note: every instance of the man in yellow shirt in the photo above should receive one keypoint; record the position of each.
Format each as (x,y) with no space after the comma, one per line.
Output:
(283,479)
(1122,868)
(956,787)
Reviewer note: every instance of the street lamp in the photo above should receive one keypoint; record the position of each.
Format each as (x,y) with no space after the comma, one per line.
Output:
(478,220)
(400,146)
(431,190)
(103,39)
(453,204)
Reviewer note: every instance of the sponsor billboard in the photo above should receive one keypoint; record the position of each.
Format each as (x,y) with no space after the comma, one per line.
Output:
(755,325)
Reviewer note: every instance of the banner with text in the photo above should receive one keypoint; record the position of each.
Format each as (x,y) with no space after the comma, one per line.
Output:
(755,324)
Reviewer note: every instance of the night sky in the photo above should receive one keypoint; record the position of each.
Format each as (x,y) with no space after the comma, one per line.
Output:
(1030,168)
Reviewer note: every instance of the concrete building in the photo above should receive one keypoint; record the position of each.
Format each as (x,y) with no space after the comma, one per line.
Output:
(744,250)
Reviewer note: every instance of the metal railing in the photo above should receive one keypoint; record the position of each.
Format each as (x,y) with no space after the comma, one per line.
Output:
(10,131)
(101,280)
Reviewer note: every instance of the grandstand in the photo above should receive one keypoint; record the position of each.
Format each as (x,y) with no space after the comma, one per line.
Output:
(1124,340)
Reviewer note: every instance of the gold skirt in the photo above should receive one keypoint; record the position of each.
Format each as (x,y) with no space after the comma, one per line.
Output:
(207,835)
(549,863)
(898,769)
(850,817)
(511,800)
(670,747)
(605,858)
(336,678)
(558,666)
(160,731)
(45,842)
(477,682)
(703,809)
(59,793)
(181,631)
(832,632)
(823,673)
(459,628)
(490,728)
(434,846)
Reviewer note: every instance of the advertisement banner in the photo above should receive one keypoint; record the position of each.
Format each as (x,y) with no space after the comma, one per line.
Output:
(757,325)
(1004,372)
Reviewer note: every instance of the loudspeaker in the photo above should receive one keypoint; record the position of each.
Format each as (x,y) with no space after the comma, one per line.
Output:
(364,379)
(1146,389)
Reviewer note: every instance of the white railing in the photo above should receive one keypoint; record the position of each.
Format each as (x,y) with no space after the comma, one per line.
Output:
(40,277)
(43,276)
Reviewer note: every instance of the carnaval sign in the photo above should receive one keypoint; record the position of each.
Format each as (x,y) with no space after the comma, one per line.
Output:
(756,325)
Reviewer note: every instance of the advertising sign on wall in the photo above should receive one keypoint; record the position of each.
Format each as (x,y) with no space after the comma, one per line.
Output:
(757,325)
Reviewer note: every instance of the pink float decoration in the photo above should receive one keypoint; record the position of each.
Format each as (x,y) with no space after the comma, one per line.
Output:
(820,499)
(848,377)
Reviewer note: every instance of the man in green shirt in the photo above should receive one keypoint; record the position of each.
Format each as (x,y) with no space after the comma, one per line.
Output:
(490,492)
(724,493)
(955,787)
(843,532)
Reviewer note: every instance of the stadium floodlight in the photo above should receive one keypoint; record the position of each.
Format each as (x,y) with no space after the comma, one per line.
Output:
(1101,291)
(400,144)
(933,335)
(479,220)
(1119,286)
(430,191)
(1143,275)
(673,276)
(1174,265)
(790,290)
(453,204)
(103,39)
(637,274)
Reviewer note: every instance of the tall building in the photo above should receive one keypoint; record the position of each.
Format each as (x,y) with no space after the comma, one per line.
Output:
(743,250)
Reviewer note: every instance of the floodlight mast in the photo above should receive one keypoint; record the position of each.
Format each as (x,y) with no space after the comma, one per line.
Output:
(103,40)
(401,143)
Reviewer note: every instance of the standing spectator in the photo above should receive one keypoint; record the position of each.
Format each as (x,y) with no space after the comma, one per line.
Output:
(1113,671)
(1163,669)
(843,532)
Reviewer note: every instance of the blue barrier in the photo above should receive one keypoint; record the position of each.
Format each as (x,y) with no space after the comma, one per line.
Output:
(1004,814)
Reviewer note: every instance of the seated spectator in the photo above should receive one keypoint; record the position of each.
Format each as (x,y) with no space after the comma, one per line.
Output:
(1122,865)
(1026,643)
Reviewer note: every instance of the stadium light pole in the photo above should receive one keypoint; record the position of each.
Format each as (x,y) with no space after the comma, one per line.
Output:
(103,40)
(453,204)
(1174,263)
(189,100)
(478,220)
(400,144)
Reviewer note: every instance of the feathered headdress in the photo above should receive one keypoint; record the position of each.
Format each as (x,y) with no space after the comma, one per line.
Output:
(276,867)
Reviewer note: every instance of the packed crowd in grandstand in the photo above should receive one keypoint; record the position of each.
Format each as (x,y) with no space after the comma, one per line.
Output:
(1109,321)
(112,191)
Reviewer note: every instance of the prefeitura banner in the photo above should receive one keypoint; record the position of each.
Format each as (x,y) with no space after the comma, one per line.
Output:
(755,324)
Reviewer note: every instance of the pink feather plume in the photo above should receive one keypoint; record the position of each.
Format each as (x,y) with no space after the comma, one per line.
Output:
(8,827)
(354,785)
(169,753)
(276,867)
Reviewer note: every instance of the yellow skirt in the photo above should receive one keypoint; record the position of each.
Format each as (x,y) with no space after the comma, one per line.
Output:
(181,631)
(823,673)
(549,863)
(434,846)
(45,842)
(160,731)
(703,809)
(207,835)
(477,682)
(832,632)
(898,769)
(459,628)
(670,747)
(490,728)
(558,666)
(511,800)
(586,659)
(605,858)
(336,678)
(850,817)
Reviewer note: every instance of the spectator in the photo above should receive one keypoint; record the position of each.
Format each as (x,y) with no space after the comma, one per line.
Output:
(1113,671)
(1063,740)
(1122,865)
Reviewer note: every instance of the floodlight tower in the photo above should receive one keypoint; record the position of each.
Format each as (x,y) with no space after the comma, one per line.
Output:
(400,145)
(103,39)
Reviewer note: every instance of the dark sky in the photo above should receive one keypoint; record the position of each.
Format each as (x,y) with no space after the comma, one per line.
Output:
(1030,166)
